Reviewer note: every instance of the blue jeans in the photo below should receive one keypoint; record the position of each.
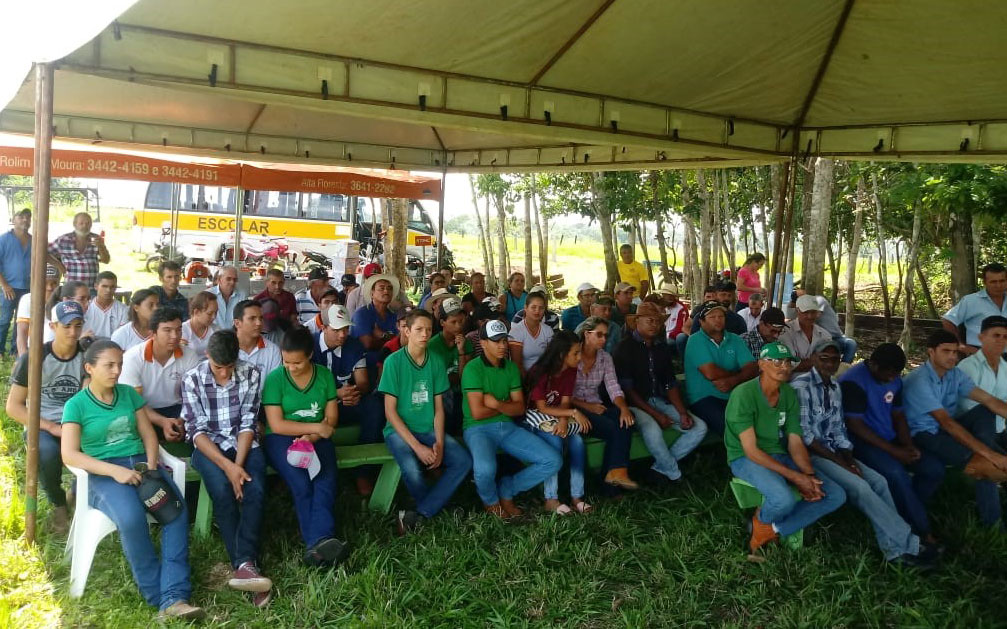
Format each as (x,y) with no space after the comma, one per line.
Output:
(787,513)
(7,309)
(870,494)
(456,465)
(849,348)
(979,421)
(239,521)
(712,410)
(578,459)
(617,439)
(483,441)
(666,459)
(161,582)
(369,414)
(50,468)
(314,499)
(911,492)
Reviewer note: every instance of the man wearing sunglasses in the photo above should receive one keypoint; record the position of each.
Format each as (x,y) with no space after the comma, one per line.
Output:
(765,447)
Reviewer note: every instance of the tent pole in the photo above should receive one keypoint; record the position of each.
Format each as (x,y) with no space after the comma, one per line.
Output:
(239,212)
(440,212)
(40,235)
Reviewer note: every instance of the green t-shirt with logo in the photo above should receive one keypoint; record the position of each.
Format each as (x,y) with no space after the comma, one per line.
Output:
(106,430)
(498,381)
(413,387)
(299,405)
(448,351)
(748,408)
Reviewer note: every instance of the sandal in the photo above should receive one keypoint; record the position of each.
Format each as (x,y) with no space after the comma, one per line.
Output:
(562,509)
(582,507)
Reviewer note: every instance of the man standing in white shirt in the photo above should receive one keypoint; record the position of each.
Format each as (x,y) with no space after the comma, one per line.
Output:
(105,313)
(155,368)
(987,367)
(228,296)
(309,298)
(252,346)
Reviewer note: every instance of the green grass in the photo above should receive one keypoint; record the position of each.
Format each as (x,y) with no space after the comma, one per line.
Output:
(663,558)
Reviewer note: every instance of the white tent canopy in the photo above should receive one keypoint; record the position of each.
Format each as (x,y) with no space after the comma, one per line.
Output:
(591,84)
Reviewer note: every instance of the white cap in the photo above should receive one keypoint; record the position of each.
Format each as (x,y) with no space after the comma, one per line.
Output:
(807,303)
(440,292)
(586,286)
(538,288)
(338,317)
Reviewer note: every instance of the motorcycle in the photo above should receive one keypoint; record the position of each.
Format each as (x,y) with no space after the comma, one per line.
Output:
(273,252)
(316,258)
(164,251)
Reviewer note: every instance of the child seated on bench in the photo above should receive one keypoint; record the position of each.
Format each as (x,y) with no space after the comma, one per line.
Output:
(414,382)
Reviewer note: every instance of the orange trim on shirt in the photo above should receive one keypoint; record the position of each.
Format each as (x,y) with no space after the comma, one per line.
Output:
(148,351)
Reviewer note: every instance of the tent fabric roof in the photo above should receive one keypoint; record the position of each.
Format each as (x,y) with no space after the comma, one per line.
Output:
(592,84)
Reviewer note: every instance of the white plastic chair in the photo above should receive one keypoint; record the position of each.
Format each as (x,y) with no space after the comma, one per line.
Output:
(90,525)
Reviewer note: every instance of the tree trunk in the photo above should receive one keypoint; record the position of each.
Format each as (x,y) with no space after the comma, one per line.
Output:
(774,189)
(543,242)
(602,209)
(926,291)
(662,250)
(851,263)
(693,269)
(898,271)
(528,268)
(705,231)
(906,338)
(977,237)
(807,202)
(395,260)
(484,243)
(882,254)
(963,271)
(641,234)
(816,238)
(727,220)
(503,260)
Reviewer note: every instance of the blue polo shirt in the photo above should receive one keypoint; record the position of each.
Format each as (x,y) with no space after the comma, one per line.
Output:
(342,360)
(732,354)
(15,261)
(571,318)
(925,392)
(870,401)
(970,312)
(365,318)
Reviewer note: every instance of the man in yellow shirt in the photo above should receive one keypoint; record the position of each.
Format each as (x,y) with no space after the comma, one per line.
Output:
(632,272)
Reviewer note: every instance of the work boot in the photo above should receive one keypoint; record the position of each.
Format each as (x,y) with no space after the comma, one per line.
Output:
(619,477)
(980,468)
(512,510)
(762,533)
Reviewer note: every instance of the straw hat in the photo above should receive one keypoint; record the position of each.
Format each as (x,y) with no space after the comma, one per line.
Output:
(374,279)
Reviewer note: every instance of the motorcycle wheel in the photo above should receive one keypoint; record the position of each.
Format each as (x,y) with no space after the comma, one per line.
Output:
(153,262)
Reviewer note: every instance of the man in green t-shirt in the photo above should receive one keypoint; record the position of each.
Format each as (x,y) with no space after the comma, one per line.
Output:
(455,351)
(491,387)
(414,381)
(759,412)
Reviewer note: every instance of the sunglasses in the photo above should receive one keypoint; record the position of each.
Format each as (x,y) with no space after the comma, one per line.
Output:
(780,362)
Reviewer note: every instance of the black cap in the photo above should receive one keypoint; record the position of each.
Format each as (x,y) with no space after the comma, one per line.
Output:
(318,273)
(710,306)
(995,321)
(773,316)
(349,279)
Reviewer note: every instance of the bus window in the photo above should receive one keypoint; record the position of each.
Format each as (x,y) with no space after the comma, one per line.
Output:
(273,203)
(206,199)
(418,219)
(158,196)
(365,213)
(325,207)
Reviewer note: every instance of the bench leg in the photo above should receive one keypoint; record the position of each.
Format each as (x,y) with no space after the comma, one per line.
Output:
(204,513)
(384,490)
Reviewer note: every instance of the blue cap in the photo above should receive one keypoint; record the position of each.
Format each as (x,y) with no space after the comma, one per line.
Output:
(67,311)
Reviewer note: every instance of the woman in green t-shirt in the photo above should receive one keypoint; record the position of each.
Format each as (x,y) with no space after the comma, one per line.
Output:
(299,399)
(106,432)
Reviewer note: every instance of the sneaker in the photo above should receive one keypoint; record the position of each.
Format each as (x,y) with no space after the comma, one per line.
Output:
(247,578)
(261,599)
(327,552)
(762,533)
(182,610)
(407,521)
(918,562)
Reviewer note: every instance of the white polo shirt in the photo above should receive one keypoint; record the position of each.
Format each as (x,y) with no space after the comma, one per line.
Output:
(978,368)
(24,316)
(265,356)
(195,342)
(160,385)
(103,322)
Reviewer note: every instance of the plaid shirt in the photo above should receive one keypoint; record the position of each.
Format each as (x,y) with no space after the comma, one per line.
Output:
(821,411)
(588,381)
(754,341)
(220,412)
(80,267)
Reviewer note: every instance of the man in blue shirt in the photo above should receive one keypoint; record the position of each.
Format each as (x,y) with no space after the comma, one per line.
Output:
(831,451)
(716,361)
(587,294)
(972,309)
(932,394)
(876,422)
(346,358)
(15,267)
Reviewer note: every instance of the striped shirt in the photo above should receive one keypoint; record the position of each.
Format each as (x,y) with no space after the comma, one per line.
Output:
(220,412)
(821,411)
(603,370)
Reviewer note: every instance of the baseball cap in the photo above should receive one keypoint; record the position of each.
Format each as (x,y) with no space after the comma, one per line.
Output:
(23,212)
(776,351)
(483,311)
(821,345)
(451,305)
(773,316)
(605,300)
(493,330)
(348,279)
(67,311)
(440,292)
(318,273)
(338,317)
(586,286)
(403,312)
(807,303)
(302,454)
(622,286)
(708,307)
(371,269)
(995,321)
(538,288)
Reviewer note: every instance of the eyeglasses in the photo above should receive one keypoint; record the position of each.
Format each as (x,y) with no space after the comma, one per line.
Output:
(780,362)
